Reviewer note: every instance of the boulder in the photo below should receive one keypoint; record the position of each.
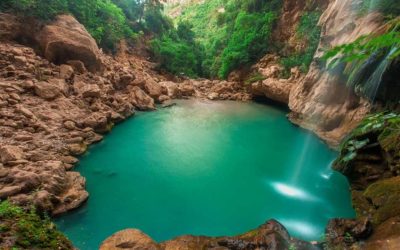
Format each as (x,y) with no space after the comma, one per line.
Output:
(98,121)
(172,89)
(77,65)
(123,80)
(140,99)
(130,239)
(91,90)
(153,88)
(274,89)
(10,153)
(66,71)
(66,39)
(187,90)
(47,90)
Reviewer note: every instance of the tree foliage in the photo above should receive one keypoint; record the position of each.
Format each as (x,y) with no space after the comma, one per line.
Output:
(309,31)
(108,21)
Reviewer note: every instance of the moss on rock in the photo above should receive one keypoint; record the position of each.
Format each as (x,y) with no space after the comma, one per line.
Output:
(21,229)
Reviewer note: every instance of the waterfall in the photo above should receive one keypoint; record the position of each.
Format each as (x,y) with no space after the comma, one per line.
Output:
(371,86)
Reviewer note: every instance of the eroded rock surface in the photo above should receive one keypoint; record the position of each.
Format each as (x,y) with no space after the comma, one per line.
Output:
(270,235)
(321,101)
(66,39)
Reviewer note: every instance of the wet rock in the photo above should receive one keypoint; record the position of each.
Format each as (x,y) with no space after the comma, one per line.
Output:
(140,99)
(163,98)
(75,195)
(272,235)
(384,196)
(131,239)
(98,121)
(77,148)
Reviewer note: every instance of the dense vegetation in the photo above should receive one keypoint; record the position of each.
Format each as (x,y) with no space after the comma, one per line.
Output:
(27,230)
(309,32)
(209,39)
(231,33)
(381,128)
(366,61)
(107,21)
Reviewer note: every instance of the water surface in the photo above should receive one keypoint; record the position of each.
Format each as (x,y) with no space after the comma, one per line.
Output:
(207,168)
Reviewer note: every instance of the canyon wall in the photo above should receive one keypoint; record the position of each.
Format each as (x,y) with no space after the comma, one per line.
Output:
(321,101)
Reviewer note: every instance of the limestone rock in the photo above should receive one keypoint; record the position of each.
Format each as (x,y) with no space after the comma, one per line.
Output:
(77,65)
(98,121)
(123,80)
(187,90)
(130,239)
(10,153)
(91,90)
(66,71)
(75,195)
(272,235)
(66,39)
(47,90)
(321,95)
(274,89)
(140,99)
(153,88)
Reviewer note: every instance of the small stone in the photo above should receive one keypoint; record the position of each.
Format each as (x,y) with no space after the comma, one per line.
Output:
(77,149)
(91,90)
(69,125)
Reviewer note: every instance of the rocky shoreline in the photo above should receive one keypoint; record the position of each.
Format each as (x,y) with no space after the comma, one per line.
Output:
(59,94)
(50,114)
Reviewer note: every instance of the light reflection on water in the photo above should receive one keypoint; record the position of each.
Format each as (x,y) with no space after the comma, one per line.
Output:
(207,168)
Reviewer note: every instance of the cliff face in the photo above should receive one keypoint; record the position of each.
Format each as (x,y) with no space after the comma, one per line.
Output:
(321,101)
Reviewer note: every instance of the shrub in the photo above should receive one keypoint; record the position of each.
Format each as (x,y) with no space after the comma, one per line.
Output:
(29,230)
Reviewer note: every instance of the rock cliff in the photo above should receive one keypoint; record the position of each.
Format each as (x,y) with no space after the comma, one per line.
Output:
(321,101)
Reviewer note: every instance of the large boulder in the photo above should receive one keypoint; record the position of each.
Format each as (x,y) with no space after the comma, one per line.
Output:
(66,39)
(153,88)
(98,121)
(131,239)
(140,99)
(274,89)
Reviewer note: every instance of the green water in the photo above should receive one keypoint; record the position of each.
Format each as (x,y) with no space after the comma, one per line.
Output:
(202,168)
